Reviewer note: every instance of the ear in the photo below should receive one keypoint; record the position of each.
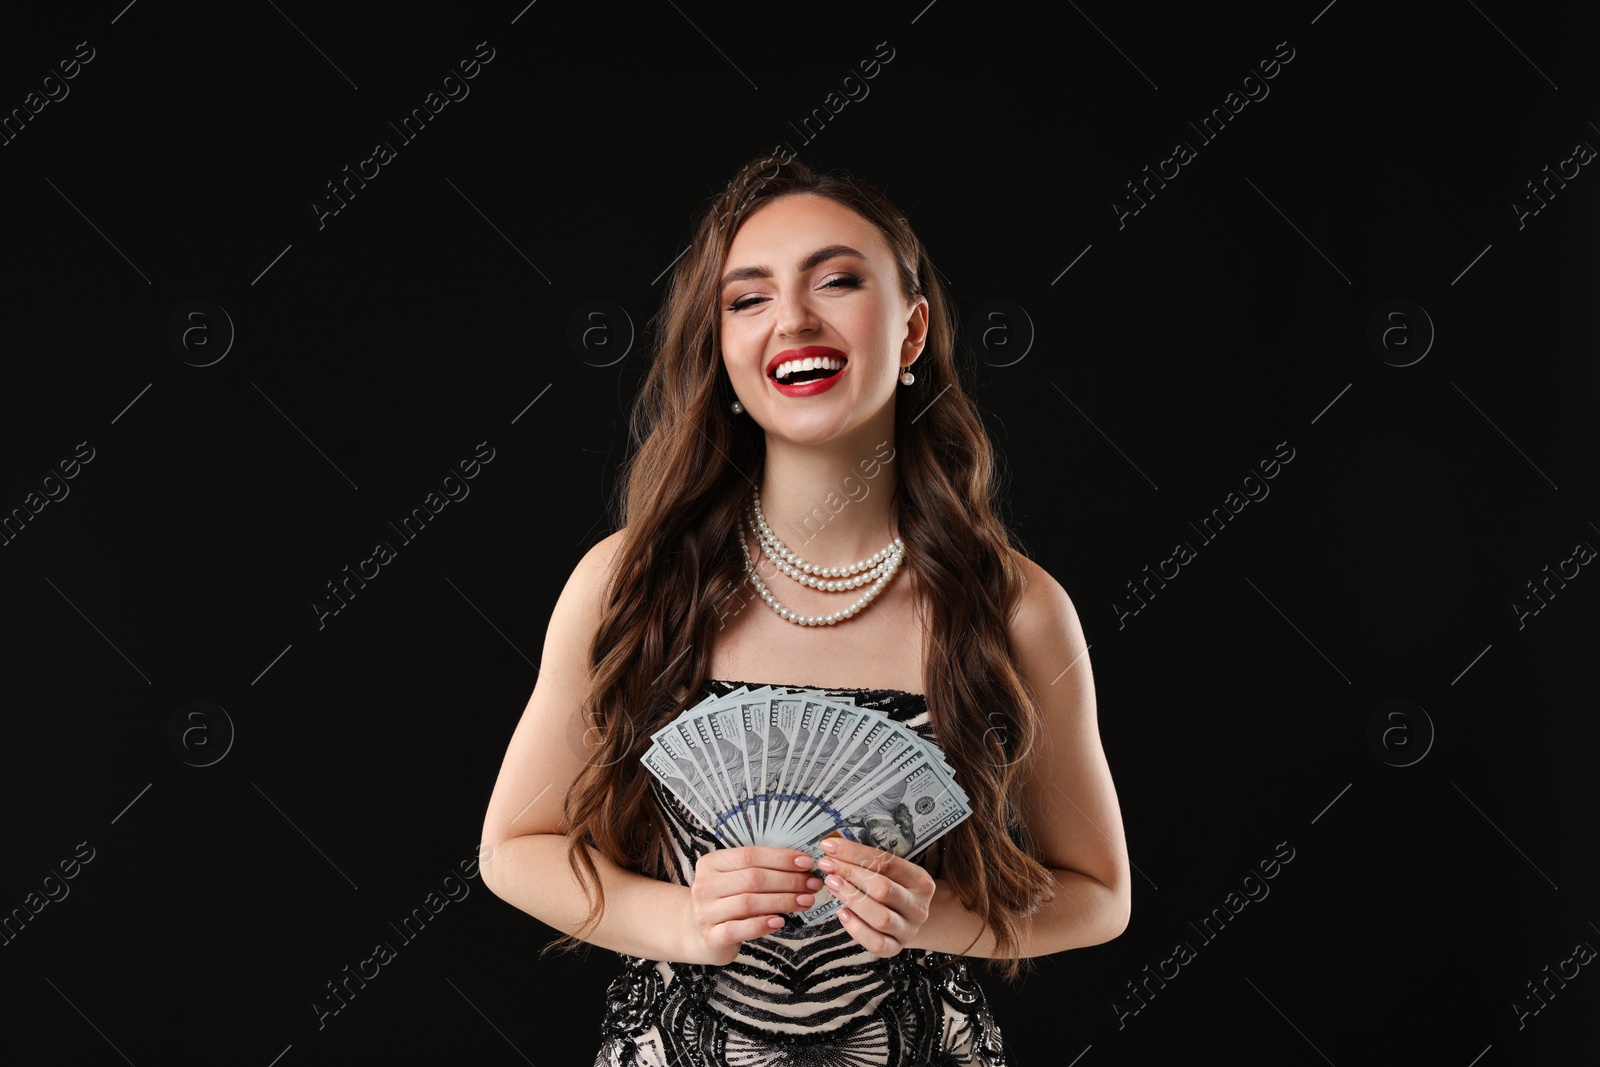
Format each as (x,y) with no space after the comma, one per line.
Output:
(916,331)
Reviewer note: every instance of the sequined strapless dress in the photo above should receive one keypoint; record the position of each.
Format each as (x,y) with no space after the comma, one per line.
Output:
(800,996)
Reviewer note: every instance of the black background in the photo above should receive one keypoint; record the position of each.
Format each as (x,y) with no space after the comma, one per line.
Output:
(1130,395)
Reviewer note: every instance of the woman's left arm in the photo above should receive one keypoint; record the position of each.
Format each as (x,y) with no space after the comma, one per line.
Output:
(1066,800)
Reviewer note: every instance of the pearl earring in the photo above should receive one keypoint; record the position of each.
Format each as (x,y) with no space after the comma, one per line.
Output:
(906,377)
(738,408)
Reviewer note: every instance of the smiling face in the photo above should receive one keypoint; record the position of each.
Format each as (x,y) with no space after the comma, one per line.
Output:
(807,277)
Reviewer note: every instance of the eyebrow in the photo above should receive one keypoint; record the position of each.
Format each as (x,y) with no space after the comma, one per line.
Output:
(821,255)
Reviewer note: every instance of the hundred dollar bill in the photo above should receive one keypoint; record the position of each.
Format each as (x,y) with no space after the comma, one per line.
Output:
(903,820)
(774,755)
(733,729)
(723,758)
(879,783)
(812,793)
(811,743)
(871,750)
(876,742)
(669,759)
(693,738)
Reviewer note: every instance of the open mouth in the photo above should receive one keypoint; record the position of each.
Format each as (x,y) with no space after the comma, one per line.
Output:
(800,371)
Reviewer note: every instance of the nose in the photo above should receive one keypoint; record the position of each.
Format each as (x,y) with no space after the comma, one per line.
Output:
(794,313)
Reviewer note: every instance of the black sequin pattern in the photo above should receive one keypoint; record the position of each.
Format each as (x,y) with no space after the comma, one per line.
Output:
(800,996)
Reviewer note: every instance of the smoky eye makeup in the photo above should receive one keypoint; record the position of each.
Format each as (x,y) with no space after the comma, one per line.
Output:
(838,281)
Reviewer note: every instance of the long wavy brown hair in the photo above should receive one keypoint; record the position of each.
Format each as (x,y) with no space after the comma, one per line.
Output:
(680,558)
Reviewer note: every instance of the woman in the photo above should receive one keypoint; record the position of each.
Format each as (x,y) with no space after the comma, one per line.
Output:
(848,456)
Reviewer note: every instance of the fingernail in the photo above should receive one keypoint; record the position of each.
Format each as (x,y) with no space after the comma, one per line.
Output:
(805,900)
(802,861)
(827,865)
(830,845)
(834,881)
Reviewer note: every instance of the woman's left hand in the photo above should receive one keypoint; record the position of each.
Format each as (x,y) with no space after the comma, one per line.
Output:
(885,897)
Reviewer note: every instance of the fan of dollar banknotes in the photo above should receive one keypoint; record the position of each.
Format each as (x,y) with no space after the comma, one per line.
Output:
(787,767)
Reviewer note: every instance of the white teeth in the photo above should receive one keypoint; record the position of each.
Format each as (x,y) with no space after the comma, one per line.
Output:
(794,366)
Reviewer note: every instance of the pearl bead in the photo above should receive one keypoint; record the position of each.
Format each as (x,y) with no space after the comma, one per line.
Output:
(877,569)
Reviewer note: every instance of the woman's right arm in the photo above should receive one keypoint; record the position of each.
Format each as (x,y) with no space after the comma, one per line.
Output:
(524,849)
(523,858)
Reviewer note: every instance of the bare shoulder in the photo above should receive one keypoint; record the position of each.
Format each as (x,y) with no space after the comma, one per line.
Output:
(574,621)
(1045,622)
(595,566)
(579,604)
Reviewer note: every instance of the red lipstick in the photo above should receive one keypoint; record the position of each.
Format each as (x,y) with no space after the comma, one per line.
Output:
(810,388)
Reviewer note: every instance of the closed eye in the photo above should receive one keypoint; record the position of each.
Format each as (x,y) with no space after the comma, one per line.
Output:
(843,281)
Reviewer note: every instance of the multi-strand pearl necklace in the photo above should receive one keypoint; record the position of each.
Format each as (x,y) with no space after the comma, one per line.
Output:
(877,568)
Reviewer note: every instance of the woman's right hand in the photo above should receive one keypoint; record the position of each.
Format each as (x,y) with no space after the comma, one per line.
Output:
(741,893)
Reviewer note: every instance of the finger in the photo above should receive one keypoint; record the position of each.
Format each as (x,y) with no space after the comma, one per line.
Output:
(869,858)
(748,905)
(874,899)
(777,859)
(761,867)
(897,869)
(764,880)
(860,853)
(741,930)
(867,936)
(883,888)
